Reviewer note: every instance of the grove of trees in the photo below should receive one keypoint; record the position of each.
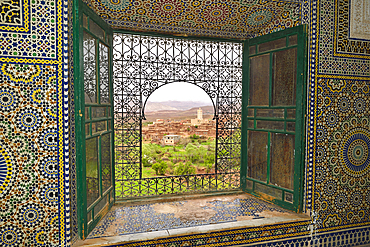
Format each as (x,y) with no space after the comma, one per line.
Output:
(189,156)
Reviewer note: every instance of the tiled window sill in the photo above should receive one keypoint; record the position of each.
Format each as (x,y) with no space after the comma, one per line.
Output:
(125,224)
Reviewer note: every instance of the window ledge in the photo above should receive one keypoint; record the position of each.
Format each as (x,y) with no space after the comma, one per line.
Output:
(124,224)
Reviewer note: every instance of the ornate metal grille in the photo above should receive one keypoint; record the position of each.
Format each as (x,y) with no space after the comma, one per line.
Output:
(142,64)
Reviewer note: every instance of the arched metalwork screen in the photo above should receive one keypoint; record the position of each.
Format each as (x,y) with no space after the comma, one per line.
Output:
(141,64)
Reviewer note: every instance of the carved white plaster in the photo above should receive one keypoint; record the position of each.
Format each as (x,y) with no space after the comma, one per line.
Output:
(360,19)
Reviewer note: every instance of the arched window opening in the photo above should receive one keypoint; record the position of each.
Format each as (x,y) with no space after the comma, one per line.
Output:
(144,64)
(179,132)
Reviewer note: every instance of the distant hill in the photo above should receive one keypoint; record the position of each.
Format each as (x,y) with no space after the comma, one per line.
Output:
(157,106)
(208,113)
(173,105)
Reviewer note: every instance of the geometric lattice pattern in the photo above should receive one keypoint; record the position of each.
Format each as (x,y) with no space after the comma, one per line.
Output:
(142,64)
(227,19)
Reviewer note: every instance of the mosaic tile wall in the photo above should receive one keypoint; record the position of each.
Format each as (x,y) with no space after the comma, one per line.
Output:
(225,19)
(34,157)
(338,130)
(71,136)
(268,236)
(33,151)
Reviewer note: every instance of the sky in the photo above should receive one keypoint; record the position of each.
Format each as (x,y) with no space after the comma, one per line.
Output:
(179,91)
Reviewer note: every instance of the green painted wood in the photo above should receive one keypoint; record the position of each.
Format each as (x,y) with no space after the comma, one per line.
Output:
(268,155)
(244,124)
(79,112)
(81,9)
(270,80)
(275,50)
(301,32)
(272,130)
(301,97)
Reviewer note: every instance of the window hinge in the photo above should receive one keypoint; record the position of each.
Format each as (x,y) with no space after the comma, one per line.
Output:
(80,113)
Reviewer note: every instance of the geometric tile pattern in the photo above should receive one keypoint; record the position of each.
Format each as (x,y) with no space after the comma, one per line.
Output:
(339,55)
(28,140)
(344,44)
(144,218)
(71,131)
(227,19)
(248,237)
(342,170)
(34,197)
(337,169)
(33,31)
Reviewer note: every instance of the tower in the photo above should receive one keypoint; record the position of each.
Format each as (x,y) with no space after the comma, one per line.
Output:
(200,114)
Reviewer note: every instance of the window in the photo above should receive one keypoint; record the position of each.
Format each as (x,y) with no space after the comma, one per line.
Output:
(94,121)
(273,117)
(142,64)
(119,71)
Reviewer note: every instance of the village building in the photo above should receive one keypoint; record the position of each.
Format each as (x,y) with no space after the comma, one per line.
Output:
(170,139)
(158,130)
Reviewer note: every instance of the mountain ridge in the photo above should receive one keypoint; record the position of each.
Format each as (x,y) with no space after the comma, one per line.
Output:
(174,105)
(208,113)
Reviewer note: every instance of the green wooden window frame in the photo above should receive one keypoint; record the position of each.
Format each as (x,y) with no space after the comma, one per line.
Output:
(275,120)
(84,119)
(94,120)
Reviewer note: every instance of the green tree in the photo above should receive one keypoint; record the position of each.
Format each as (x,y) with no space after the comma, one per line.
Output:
(147,161)
(209,158)
(194,137)
(160,167)
(184,169)
(191,152)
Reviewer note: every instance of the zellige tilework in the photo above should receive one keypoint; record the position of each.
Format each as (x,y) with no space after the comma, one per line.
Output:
(33,79)
(34,169)
(171,215)
(28,137)
(227,19)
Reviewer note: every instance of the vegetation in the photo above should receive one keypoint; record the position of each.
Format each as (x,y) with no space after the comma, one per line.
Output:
(172,161)
(160,168)
(184,169)
(187,157)
(146,123)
